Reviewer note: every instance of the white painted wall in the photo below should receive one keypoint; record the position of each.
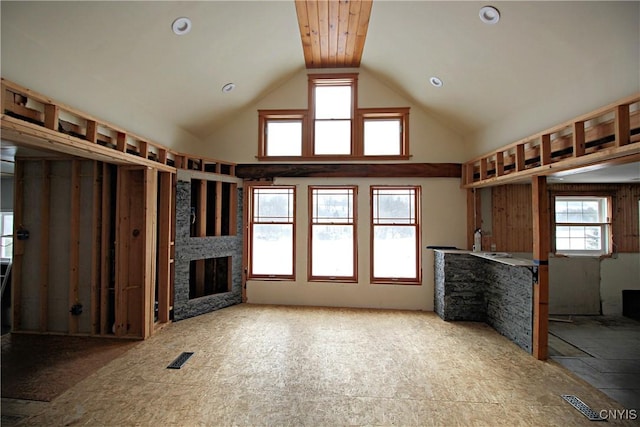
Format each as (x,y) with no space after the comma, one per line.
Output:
(443,223)
(618,273)
(430,141)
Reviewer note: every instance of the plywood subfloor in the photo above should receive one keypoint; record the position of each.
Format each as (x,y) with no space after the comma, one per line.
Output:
(266,365)
(41,367)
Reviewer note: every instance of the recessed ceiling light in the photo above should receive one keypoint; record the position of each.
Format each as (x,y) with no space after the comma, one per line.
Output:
(435,81)
(228,87)
(489,15)
(181,26)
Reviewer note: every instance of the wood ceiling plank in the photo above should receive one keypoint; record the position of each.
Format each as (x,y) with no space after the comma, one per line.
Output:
(314,33)
(323,26)
(305,32)
(334,23)
(361,33)
(343,31)
(354,18)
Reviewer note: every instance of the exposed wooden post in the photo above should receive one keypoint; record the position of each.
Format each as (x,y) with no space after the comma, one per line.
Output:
(578,139)
(473,209)
(622,128)
(149,259)
(143,147)
(51,114)
(520,163)
(162,155)
(545,149)
(499,163)
(74,244)
(92,131)
(218,213)
(541,247)
(201,231)
(44,244)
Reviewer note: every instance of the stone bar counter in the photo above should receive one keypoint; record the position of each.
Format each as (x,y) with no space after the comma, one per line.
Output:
(487,287)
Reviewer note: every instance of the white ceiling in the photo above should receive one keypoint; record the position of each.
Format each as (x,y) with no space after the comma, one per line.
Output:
(121,62)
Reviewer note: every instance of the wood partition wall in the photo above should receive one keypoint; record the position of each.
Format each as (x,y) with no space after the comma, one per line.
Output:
(94,221)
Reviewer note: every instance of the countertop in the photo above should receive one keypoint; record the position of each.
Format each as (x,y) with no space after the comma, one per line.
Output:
(501,257)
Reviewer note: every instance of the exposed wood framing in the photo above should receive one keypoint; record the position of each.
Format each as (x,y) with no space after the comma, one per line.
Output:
(150,238)
(96,240)
(105,249)
(51,115)
(44,243)
(400,170)
(541,247)
(74,244)
(608,133)
(164,246)
(18,247)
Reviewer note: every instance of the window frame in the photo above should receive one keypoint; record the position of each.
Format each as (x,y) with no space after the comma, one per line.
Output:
(354,224)
(358,117)
(417,279)
(606,227)
(250,232)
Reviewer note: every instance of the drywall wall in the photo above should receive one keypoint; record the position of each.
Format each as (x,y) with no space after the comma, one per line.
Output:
(443,223)
(574,285)
(618,273)
(429,140)
(6,193)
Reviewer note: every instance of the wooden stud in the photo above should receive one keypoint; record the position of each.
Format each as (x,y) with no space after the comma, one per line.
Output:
(149,251)
(18,246)
(164,247)
(143,148)
(578,139)
(121,142)
(105,249)
(499,163)
(218,212)
(471,215)
(74,244)
(96,240)
(545,149)
(541,247)
(520,161)
(92,131)
(123,252)
(4,96)
(162,155)
(622,125)
(51,115)
(44,244)
(483,168)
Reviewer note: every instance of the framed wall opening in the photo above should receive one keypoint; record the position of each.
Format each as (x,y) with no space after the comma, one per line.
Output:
(209,276)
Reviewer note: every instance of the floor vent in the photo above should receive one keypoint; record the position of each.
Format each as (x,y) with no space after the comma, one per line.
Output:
(583,408)
(180,360)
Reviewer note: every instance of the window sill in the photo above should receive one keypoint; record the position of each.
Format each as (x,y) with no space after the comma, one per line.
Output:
(328,158)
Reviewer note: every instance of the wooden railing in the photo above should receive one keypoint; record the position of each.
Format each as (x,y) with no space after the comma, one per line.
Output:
(608,133)
(31,116)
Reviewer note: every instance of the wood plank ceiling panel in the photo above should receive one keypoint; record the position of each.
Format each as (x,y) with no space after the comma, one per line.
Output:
(333,32)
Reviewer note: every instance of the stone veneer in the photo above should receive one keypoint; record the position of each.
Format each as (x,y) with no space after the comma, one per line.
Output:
(189,248)
(480,290)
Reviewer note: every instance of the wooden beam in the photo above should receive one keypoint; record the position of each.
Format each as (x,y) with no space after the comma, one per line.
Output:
(218,204)
(373,170)
(74,244)
(149,250)
(121,142)
(622,125)
(45,210)
(541,248)
(499,163)
(578,139)
(483,168)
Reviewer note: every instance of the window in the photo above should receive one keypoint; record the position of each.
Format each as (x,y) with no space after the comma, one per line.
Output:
(395,235)
(271,232)
(332,248)
(333,127)
(582,225)
(6,231)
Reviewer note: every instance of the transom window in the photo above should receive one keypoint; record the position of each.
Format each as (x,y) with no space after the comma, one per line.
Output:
(582,225)
(395,213)
(271,232)
(336,128)
(332,249)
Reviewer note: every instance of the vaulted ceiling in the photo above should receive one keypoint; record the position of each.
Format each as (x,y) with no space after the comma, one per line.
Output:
(111,58)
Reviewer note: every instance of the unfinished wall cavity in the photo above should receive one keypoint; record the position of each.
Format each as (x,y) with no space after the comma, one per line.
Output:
(208,246)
